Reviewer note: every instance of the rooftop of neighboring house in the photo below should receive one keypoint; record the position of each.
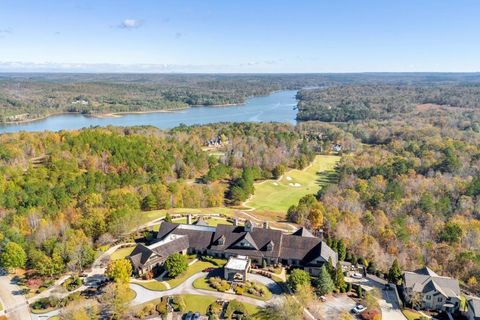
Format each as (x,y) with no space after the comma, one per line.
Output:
(426,280)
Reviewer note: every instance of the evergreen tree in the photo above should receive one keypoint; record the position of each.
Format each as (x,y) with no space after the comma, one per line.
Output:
(342,250)
(339,278)
(395,273)
(325,283)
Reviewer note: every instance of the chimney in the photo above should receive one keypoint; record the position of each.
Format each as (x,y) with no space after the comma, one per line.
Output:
(189,219)
(265,225)
(235,222)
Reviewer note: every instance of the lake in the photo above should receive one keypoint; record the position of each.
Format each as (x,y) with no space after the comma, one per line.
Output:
(278,107)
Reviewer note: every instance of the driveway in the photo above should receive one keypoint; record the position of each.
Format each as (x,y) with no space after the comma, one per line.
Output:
(388,302)
(14,303)
(145,295)
(331,308)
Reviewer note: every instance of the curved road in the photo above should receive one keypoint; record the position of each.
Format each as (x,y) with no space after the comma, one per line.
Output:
(145,295)
(14,304)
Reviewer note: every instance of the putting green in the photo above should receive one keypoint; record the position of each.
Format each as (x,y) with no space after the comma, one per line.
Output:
(279,195)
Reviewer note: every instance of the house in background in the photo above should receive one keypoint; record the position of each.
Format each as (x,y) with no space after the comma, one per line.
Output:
(261,245)
(473,308)
(431,291)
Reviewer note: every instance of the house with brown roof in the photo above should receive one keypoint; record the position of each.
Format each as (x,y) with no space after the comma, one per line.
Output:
(259,244)
(431,291)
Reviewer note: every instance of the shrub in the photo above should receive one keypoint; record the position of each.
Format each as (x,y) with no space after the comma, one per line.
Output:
(219,284)
(239,290)
(235,307)
(162,306)
(179,304)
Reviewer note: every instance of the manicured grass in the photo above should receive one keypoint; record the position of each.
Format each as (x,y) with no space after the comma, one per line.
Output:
(194,268)
(278,196)
(122,253)
(267,296)
(155,214)
(213,222)
(153,285)
(411,315)
(197,303)
(202,283)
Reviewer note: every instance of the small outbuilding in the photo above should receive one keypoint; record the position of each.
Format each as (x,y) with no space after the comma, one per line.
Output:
(237,268)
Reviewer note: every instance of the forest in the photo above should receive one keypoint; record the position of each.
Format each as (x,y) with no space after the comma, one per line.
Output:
(410,189)
(64,194)
(26,96)
(408,186)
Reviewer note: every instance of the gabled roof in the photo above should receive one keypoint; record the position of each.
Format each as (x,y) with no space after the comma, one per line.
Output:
(201,222)
(247,237)
(140,255)
(306,249)
(303,232)
(426,280)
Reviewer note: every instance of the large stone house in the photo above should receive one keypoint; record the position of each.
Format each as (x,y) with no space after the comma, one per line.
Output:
(260,245)
(431,291)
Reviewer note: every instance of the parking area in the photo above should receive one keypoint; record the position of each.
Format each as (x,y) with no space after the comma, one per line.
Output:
(331,308)
(388,302)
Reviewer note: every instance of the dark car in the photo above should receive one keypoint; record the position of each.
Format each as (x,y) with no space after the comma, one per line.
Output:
(196,316)
(189,316)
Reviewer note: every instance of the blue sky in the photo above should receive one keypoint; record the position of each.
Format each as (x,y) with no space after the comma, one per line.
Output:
(240,36)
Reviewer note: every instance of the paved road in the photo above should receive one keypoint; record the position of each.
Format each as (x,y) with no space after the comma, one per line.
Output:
(145,295)
(14,303)
(388,302)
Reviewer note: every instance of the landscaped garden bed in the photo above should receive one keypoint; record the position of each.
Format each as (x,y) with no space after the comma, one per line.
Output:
(248,288)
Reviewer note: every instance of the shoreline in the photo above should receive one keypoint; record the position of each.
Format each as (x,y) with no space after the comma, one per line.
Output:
(115,114)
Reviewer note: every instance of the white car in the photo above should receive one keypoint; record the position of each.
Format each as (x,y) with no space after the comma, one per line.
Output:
(359,309)
(357,275)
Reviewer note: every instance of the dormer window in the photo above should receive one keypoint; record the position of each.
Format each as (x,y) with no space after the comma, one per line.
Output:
(221,240)
(270,246)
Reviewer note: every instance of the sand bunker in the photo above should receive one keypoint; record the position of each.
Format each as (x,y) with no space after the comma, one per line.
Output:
(289,178)
(275,184)
(295,185)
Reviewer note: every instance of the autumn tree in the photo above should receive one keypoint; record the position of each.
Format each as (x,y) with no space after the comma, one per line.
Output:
(13,256)
(119,270)
(297,278)
(285,308)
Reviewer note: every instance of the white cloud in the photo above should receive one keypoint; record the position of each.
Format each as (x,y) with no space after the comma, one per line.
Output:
(131,23)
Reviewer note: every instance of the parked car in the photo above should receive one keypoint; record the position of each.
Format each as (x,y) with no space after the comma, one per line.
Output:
(357,275)
(196,316)
(208,269)
(359,309)
(323,299)
(189,316)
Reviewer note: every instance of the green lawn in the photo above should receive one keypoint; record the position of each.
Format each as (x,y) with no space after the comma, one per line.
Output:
(411,315)
(198,303)
(278,196)
(202,283)
(153,285)
(122,253)
(194,268)
(155,214)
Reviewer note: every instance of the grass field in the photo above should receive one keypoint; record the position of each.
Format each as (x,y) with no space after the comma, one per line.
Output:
(278,196)
(155,214)
(198,266)
(200,303)
(121,253)
(411,315)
